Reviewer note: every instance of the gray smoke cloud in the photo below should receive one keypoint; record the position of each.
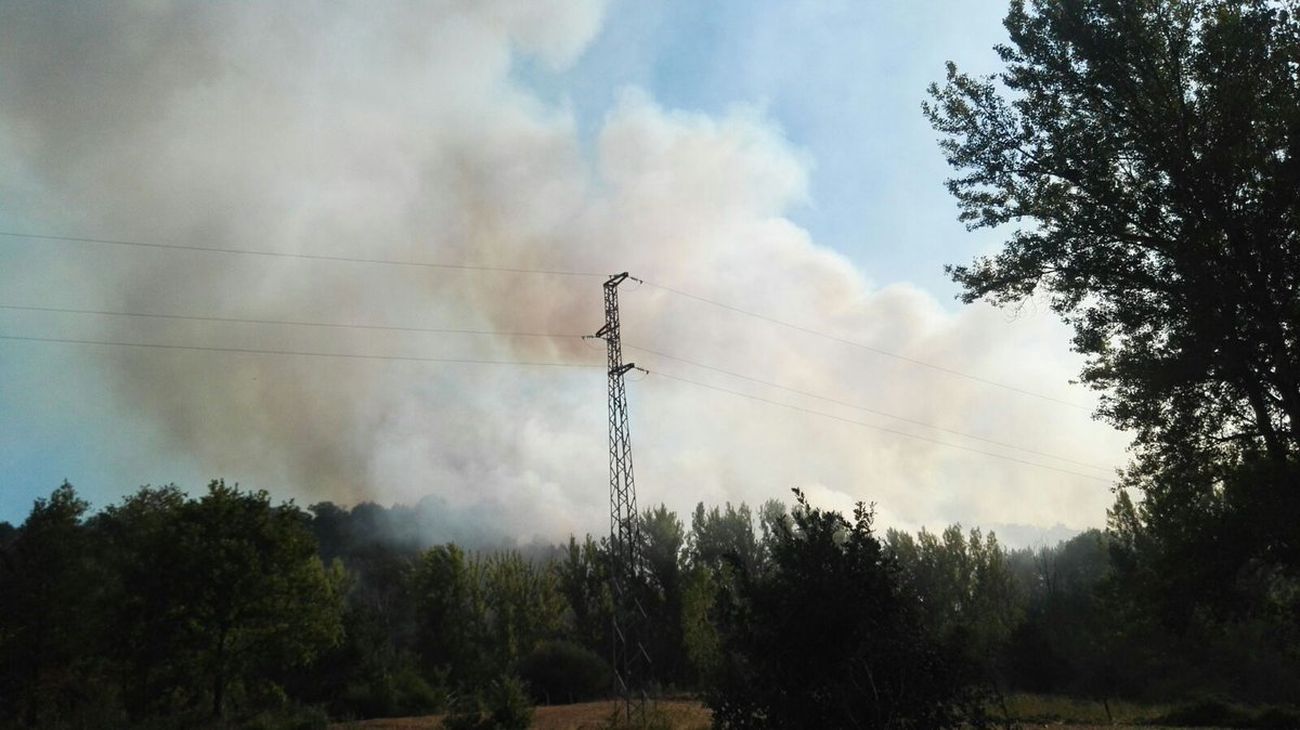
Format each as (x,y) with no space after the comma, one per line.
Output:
(398,132)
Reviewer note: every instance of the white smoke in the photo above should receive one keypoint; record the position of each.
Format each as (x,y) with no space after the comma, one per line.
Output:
(398,131)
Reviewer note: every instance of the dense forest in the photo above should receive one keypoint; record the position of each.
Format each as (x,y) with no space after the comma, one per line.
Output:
(167,610)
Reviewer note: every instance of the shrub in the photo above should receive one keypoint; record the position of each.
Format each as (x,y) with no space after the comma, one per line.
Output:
(561,671)
(503,706)
(1278,717)
(1206,712)
(403,691)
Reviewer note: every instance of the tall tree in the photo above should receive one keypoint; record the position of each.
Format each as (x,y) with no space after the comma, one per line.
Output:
(50,606)
(663,540)
(451,614)
(1144,157)
(148,618)
(583,575)
(255,598)
(825,636)
(524,605)
(723,537)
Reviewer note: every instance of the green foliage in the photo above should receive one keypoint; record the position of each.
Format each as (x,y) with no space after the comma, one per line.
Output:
(663,544)
(564,672)
(826,637)
(583,577)
(1204,713)
(376,671)
(962,583)
(1078,633)
(397,691)
(1044,710)
(161,611)
(1277,718)
(968,600)
(503,705)
(236,573)
(1145,153)
(49,597)
(118,619)
(451,612)
(508,705)
(700,641)
(724,537)
(523,602)
(1087,631)
(478,616)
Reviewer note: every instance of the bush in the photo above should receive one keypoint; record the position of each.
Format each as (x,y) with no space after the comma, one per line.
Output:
(1278,717)
(503,706)
(1205,712)
(564,672)
(401,692)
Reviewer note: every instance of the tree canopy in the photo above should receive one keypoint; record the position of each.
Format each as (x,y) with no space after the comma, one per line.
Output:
(1143,157)
(824,636)
(164,608)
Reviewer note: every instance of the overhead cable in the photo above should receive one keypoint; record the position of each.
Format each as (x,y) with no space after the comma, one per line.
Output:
(874,427)
(301,353)
(866,409)
(287,322)
(544,272)
(306,256)
(446,330)
(863,346)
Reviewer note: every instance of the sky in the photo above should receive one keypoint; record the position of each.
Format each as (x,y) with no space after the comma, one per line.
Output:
(771,156)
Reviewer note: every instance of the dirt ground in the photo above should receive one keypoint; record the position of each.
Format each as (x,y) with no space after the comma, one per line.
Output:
(685,714)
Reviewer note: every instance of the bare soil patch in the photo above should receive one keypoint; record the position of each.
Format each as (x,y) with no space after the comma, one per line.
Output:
(684,714)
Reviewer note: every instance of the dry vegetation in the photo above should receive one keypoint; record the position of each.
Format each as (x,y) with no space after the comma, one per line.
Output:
(682,714)
(1034,712)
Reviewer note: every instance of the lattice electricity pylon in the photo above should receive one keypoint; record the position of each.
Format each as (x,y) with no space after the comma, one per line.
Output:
(630,662)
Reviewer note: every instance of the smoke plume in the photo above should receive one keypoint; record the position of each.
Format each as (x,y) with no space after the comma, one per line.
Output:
(399,131)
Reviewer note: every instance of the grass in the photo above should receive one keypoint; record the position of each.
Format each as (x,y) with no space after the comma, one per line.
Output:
(1053,709)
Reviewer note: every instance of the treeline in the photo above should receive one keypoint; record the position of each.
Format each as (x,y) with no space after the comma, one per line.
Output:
(229,610)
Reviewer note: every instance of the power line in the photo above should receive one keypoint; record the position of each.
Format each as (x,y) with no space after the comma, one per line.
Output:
(477,361)
(864,346)
(879,428)
(305,256)
(865,409)
(300,353)
(543,272)
(286,322)
(444,330)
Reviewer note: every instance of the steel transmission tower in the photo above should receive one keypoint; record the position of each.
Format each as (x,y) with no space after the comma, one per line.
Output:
(630,661)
